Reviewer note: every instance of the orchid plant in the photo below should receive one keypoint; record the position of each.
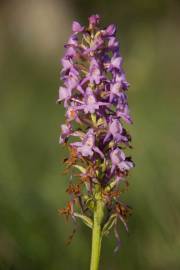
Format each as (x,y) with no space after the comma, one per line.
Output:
(94,94)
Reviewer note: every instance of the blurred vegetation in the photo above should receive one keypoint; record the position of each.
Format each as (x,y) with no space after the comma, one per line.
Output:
(32,235)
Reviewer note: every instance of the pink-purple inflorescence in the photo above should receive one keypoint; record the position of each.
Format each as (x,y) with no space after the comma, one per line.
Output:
(94,95)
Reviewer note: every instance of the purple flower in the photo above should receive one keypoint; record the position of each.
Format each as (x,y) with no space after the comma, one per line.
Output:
(110,30)
(113,44)
(68,71)
(91,103)
(94,75)
(94,72)
(113,64)
(115,90)
(115,130)
(71,114)
(67,64)
(66,130)
(94,20)
(76,27)
(64,94)
(121,78)
(116,62)
(71,81)
(71,52)
(87,146)
(123,112)
(119,161)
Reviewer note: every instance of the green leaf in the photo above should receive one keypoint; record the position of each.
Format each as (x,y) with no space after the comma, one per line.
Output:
(87,221)
(82,169)
(111,186)
(109,224)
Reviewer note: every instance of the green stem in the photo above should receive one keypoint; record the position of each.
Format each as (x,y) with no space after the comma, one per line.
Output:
(97,235)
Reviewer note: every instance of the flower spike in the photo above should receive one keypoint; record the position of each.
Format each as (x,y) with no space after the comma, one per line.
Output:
(94,94)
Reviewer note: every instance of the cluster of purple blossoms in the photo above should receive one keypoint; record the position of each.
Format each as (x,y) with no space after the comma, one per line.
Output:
(94,95)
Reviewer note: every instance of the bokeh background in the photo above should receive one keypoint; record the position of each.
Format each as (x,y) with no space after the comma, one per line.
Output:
(32,185)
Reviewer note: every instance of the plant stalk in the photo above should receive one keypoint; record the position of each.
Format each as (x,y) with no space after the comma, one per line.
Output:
(97,234)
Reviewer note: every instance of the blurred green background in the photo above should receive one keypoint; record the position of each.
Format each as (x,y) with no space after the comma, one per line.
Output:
(32,186)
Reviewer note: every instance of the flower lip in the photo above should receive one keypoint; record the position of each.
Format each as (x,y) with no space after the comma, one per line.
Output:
(91,100)
(113,43)
(89,140)
(115,88)
(64,93)
(94,72)
(76,27)
(71,81)
(71,52)
(66,130)
(116,62)
(87,146)
(115,127)
(119,161)
(109,31)
(90,104)
(116,132)
(66,63)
